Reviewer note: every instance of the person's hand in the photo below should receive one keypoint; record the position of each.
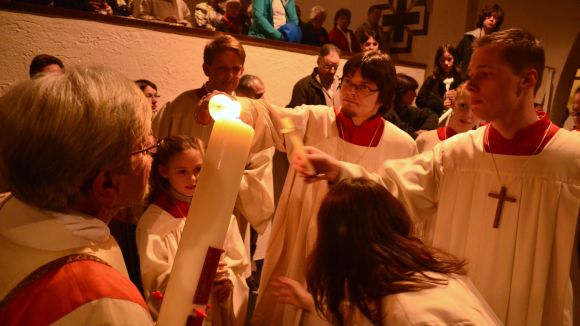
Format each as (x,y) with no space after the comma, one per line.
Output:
(288,291)
(222,290)
(449,98)
(201,113)
(170,19)
(325,166)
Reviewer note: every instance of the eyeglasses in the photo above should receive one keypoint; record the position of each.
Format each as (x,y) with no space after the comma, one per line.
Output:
(575,113)
(361,90)
(149,150)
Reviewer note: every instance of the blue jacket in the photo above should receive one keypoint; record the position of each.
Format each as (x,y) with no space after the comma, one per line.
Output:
(263,22)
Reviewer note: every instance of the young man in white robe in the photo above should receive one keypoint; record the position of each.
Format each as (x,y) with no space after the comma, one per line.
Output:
(505,196)
(354,132)
(223,64)
(72,155)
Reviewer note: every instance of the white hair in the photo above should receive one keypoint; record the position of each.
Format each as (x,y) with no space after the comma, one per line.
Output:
(58,131)
(316,10)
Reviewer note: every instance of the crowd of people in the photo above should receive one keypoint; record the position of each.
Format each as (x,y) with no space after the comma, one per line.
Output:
(390,214)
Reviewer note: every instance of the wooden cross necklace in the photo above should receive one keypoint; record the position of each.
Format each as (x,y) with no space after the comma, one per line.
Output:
(502,195)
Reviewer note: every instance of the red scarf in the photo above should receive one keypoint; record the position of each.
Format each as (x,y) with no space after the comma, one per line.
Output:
(525,141)
(360,135)
(173,206)
(445,133)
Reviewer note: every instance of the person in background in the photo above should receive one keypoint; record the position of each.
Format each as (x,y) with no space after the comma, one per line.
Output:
(373,23)
(209,13)
(490,20)
(74,150)
(251,86)
(462,120)
(340,35)
(232,20)
(175,11)
(149,89)
(369,268)
(313,33)
(438,91)
(269,16)
(404,115)
(369,41)
(321,87)
(45,64)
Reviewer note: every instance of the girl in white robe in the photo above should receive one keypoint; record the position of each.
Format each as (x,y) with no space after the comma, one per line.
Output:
(368,268)
(174,175)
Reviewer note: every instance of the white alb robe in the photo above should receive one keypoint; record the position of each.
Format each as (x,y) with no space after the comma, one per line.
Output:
(294,227)
(522,267)
(456,303)
(158,234)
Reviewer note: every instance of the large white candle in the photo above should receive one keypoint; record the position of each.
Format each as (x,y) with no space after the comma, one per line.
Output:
(209,214)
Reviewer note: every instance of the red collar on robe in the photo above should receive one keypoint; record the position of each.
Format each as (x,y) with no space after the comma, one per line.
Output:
(525,141)
(360,135)
(177,208)
(575,129)
(445,133)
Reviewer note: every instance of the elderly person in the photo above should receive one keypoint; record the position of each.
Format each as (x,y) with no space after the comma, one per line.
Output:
(74,150)
(313,33)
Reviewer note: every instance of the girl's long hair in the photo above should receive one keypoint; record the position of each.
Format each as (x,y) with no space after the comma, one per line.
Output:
(168,147)
(438,72)
(366,250)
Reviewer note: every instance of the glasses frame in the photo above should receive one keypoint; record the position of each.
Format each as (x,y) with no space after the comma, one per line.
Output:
(149,149)
(357,88)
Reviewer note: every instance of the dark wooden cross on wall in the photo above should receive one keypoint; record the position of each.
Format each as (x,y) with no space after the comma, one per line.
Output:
(501,197)
(399,19)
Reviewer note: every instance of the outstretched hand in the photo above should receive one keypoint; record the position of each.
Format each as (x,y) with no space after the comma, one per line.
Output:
(325,166)
(201,113)
(291,292)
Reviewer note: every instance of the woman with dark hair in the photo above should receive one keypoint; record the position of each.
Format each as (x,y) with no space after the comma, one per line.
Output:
(340,35)
(367,267)
(369,41)
(489,20)
(438,91)
(404,115)
(354,132)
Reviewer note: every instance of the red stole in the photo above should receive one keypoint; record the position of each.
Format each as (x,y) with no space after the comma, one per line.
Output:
(371,129)
(445,133)
(177,208)
(59,292)
(525,141)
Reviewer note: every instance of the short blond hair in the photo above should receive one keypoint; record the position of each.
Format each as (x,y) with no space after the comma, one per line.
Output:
(58,131)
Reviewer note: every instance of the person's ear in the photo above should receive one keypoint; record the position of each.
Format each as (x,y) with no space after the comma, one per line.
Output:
(529,79)
(205,68)
(163,171)
(105,188)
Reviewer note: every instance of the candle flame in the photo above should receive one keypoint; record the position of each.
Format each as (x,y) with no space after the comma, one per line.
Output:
(223,107)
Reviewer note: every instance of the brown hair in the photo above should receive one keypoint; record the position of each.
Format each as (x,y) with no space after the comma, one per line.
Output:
(222,43)
(405,83)
(168,147)
(366,250)
(520,49)
(378,68)
(438,71)
(488,10)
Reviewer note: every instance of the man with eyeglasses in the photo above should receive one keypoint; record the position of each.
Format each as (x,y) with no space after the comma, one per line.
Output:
(354,131)
(320,87)
(72,157)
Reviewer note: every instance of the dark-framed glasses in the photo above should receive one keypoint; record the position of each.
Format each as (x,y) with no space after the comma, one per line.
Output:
(149,150)
(361,89)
